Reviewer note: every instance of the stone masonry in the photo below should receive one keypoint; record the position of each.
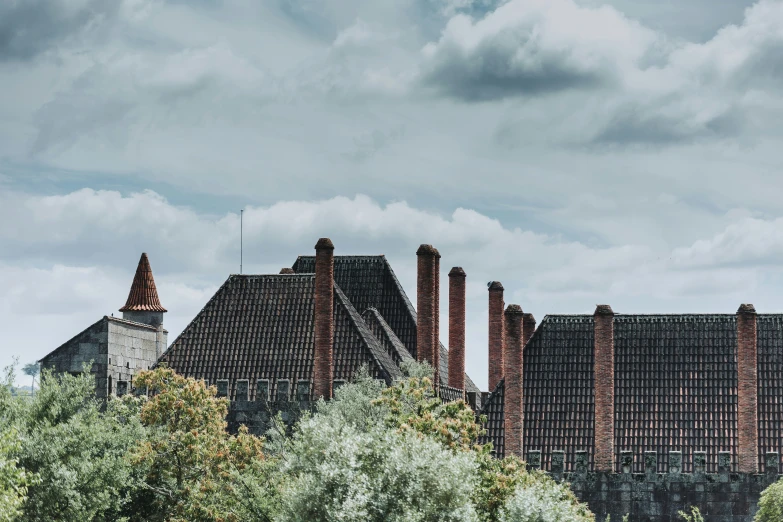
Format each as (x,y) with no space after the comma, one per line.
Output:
(652,496)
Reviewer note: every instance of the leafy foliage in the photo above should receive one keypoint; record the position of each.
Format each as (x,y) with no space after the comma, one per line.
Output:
(13,479)
(188,456)
(540,500)
(771,504)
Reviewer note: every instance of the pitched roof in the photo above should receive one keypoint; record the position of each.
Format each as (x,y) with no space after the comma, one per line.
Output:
(261,327)
(386,336)
(494,431)
(143,295)
(370,282)
(675,387)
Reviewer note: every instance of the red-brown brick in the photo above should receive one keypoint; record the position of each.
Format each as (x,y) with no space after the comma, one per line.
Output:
(457,328)
(513,424)
(436,317)
(425,303)
(528,327)
(323,364)
(747,390)
(603,453)
(495,334)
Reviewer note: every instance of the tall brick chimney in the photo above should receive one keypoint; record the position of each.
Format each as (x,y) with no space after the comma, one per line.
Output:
(324,319)
(436,318)
(425,304)
(495,334)
(528,327)
(747,391)
(457,328)
(512,373)
(603,370)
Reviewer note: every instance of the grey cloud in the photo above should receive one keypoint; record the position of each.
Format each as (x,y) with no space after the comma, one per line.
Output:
(30,27)
(636,125)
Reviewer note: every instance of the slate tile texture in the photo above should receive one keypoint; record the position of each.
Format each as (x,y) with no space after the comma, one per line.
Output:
(369,281)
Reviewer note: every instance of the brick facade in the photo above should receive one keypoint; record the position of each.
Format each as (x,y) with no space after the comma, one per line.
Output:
(436,317)
(604,388)
(323,363)
(457,328)
(425,305)
(528,327)
(747,389)
(512,374)
(496,352)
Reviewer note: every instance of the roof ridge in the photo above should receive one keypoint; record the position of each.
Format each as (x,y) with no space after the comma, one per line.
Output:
(143,294)
(104,318)
(382,359)
(395,341)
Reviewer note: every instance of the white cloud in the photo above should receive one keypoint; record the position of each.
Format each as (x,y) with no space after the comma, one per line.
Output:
(85,245)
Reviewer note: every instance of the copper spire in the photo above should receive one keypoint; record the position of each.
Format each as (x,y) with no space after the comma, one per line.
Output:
(143,294)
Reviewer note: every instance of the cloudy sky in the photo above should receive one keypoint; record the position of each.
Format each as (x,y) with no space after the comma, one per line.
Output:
(579,151)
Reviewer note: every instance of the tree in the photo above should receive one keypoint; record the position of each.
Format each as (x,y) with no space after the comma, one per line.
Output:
(540,499)
(77,449)
(13,479)
(190,462)
(771,504)
(32,370)
(345,463)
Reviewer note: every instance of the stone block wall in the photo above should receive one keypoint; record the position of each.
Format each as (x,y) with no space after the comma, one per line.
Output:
(653,496)
(131,347)
(89,345)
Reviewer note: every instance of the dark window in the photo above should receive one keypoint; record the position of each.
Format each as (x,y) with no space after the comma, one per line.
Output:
(262,390)
(122,388)
(109,386)
(222,388)
(282,390)
(303,390)
(242,386)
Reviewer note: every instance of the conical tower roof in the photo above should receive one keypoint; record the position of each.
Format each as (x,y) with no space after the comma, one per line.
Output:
(143,294)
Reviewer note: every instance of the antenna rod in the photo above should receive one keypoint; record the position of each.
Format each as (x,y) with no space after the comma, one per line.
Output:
(241,215)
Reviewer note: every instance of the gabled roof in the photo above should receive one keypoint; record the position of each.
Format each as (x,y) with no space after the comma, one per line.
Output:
(143,295)
(261,327)
(493,408)
(370,282)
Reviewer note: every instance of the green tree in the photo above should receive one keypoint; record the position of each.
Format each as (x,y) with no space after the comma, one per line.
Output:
(77,449)
(194,470)
(771,504)
(32,370)
(345,463)
(13,479)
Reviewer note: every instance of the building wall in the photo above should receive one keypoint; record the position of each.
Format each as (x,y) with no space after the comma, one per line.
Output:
(90,345)
(652,496)
(131,348)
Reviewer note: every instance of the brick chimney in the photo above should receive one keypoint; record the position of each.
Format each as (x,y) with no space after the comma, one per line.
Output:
(512,373)
(528,327)
(495,334)
(457,328)
(324,319)
(747,390)
(425,304)
(436,318)
(603,376)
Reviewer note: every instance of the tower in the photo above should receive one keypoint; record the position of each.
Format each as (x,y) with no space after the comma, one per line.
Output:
(143,304)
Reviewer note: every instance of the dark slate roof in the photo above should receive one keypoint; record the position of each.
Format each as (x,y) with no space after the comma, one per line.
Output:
(261,327)
(143,294)
(558,388)
(770,368)
(494,431)
(676,386)
(386,336)
(369,281)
